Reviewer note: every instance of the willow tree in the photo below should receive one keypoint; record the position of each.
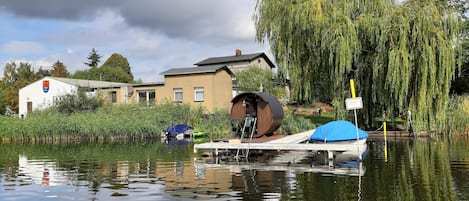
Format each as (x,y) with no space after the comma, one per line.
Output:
(401,56)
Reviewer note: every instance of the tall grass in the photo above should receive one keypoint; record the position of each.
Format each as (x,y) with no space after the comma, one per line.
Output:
(458,121)
(125,122)
(111,122)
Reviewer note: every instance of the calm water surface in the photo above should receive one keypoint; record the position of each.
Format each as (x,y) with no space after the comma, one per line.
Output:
(411,170)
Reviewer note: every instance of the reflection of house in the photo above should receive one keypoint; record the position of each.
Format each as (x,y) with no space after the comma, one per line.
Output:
(42,172)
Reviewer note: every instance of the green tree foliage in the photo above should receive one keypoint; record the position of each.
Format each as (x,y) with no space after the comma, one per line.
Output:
(59,70)
(115,69)
(401,56)
(461,84)
(14,78)
(3,101)
(93,59)
(103,73)
(119,61)
(72,103)
(253,78)
(42,73)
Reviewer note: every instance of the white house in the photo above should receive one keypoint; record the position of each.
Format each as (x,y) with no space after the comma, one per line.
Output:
(42,93)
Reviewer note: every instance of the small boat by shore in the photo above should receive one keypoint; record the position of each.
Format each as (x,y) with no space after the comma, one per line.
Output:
(178,131)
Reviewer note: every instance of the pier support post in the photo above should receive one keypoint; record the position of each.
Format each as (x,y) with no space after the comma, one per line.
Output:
(330,156)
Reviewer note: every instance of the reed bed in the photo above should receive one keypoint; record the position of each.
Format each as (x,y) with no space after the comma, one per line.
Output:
(124,123)
(458,121)
(109,123)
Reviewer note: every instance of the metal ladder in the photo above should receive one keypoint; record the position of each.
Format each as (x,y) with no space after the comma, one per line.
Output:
(249,122)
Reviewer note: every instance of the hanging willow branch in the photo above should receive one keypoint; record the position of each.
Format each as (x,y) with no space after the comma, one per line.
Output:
(402,56)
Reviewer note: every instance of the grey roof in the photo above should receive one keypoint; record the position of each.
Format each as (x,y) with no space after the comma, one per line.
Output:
(234,58)
(89,83)
(196,70)
(148,84)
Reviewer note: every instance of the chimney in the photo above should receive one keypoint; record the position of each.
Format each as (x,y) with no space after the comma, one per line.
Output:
(238,52)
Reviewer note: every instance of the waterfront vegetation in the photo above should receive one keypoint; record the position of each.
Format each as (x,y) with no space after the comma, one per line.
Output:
(458,121)
(124,122)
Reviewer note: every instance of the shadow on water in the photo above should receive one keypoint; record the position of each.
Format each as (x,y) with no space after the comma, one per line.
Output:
(412,170)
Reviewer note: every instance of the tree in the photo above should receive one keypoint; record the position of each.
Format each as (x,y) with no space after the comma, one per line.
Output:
(14,78)
(461,83)
(3,101)
(42,73)
(93,59)
(59,70)
(104,73)
(253,78)
(401,56)
(119,61)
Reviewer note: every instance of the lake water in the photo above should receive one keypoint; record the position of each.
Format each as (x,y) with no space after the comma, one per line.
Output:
(421,169)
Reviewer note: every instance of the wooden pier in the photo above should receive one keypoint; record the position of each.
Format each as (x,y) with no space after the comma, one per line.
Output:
(288,143)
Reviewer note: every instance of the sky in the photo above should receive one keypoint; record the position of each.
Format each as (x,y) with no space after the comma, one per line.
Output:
(154,35)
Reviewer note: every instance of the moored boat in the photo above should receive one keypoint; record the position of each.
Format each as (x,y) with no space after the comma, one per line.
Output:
(178,131)
(339,132)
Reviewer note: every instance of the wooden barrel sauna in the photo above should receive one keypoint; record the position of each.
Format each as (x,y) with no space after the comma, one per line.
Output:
(266,108)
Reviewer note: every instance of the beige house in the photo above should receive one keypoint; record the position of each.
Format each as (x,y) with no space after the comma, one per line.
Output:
(208,87)
(240,61)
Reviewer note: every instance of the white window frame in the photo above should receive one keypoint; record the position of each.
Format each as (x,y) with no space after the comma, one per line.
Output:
(177,91)
(146,99)
(199,90)
(113,97)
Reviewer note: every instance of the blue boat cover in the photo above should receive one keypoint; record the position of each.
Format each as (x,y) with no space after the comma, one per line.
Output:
(337,131)
(172,131)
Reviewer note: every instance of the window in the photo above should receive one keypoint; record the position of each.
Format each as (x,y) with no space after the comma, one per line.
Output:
(147,97)
(177,95)
(198,94)
(56,99)
(113,96)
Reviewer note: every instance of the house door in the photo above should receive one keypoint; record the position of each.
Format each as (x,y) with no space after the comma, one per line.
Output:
(30,106)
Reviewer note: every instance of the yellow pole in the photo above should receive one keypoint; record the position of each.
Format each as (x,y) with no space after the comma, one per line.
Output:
(352,88)
(384,127)
(385,143)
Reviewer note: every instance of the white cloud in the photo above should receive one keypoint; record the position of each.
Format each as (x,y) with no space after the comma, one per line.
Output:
(153,35)
(22,47)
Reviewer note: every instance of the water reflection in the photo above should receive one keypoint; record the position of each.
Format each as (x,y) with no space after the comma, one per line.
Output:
(411,170)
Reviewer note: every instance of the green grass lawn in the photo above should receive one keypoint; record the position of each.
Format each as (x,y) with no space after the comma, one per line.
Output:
(320,120)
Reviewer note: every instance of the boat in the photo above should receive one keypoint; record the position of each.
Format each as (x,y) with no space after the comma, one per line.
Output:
(342,132)
(199,134)
(178,131)
(338,132)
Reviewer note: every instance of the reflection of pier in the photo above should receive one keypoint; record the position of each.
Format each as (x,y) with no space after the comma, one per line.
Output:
(351,171)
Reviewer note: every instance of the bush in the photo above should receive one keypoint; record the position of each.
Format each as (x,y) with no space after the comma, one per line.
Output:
(458,121)
(294,124)
(71,103)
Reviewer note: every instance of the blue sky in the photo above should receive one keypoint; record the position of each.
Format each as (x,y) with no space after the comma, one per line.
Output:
(153,35)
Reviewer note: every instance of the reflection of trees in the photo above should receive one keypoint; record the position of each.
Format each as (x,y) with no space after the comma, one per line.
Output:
(460,166)
(432,169)
(428,178)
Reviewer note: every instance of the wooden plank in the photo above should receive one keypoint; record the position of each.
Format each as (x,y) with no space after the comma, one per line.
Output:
(295,138)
